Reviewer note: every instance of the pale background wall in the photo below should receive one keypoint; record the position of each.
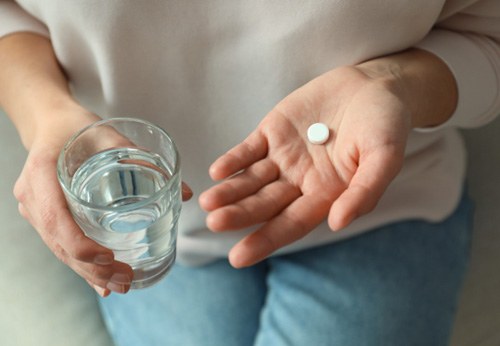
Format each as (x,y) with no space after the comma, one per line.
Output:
(43,303)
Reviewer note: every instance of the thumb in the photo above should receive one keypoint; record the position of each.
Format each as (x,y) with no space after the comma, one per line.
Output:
(374,174)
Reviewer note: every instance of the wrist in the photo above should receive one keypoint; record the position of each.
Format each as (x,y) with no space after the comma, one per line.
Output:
(421,80)
(52,126)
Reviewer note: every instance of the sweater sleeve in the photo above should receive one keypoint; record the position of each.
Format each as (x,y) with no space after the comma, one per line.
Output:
(468,41)
(14,19)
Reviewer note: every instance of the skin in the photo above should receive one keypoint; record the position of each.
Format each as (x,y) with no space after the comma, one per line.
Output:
(35,94)
(277,178)
(274,177)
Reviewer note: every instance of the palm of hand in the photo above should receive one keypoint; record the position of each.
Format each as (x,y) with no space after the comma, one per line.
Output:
(278,179)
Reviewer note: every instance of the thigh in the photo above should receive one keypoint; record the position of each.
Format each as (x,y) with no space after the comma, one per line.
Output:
(210,305)
(394,286)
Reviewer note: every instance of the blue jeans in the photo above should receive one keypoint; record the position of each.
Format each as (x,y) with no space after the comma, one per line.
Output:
(397,285)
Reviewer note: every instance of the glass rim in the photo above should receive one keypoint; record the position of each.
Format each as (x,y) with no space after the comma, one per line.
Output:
(129,207)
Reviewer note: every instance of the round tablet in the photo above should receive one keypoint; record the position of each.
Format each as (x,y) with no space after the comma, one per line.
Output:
(318,133)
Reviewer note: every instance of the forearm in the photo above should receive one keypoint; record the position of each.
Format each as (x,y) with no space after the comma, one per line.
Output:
(33,89)
(422,80)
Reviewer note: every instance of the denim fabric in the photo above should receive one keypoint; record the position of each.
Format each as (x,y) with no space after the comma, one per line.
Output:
(395,286)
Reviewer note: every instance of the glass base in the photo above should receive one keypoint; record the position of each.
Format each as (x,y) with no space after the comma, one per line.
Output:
(151,273)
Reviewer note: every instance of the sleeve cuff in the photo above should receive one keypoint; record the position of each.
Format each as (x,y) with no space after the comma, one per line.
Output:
(476,75)
(14,19)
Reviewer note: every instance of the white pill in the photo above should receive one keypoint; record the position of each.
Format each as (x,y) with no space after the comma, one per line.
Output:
(318,133)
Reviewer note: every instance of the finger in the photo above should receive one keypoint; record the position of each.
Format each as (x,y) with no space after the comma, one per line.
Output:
(103,292)
(57,225)
(371,179)
(116,277)
(87,258)
(292,224)
(53,221)
(261,207)
(187,193)
(240,186)
(251,150)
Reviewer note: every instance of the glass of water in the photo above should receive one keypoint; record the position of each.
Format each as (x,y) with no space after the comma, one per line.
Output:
(121,179)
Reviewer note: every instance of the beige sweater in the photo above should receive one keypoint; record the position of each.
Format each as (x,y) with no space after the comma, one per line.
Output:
(208,71)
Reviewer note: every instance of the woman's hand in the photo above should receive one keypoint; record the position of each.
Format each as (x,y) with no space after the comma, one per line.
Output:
(34,93)
(278,179)
(42,203)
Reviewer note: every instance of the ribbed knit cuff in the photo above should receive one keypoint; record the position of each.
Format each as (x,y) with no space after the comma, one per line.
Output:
(471,59)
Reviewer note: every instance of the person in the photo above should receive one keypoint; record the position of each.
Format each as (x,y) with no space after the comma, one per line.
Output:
(362,240)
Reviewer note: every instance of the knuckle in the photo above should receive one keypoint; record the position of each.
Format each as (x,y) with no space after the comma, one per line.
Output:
(60,253)
(78,253)
(49,236)
(77,250)
(19,191)
(269,243)
(99,274)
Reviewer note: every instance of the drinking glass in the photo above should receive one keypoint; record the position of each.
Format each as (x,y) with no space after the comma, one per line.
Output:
(121,179)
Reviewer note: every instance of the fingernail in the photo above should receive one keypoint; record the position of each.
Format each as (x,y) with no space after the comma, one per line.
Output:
(119,283)
(101,291)
(103,259)
(186,191)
